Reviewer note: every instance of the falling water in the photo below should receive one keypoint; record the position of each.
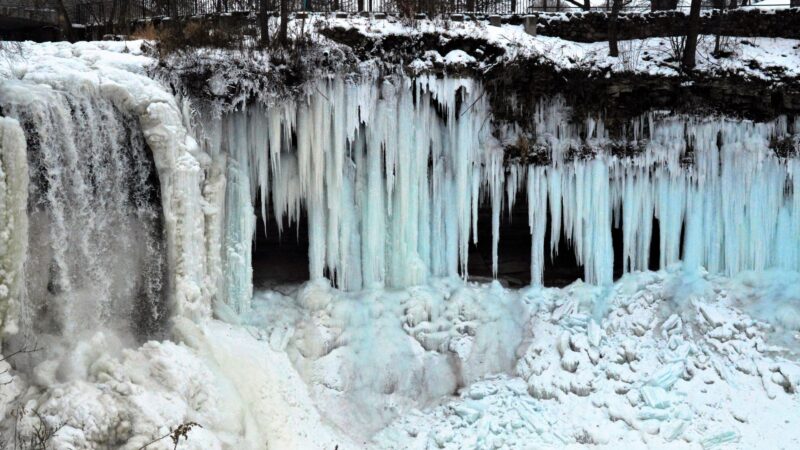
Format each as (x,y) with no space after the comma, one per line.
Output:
(96,255)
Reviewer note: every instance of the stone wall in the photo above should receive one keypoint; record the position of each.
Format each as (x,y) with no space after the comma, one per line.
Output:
(593,26)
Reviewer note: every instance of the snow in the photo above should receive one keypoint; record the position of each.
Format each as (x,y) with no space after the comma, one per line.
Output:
(675,363)
(759,58)
(772,4)
(398,349)
(241,392)
(458,57)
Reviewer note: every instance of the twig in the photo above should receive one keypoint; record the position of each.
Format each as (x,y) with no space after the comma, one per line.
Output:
(320,93)
(473,103)
(22,350)
(181,431)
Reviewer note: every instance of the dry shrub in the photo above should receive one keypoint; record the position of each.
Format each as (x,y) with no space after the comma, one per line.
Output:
(147,32)
(174,37)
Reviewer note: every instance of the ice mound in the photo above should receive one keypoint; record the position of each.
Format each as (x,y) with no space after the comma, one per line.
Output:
(238,391)
(368,356)
(675,363)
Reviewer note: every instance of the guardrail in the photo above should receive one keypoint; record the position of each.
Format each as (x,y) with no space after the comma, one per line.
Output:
(108,11)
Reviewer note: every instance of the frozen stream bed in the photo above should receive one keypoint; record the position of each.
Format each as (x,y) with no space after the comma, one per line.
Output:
(677,361)
(669,361)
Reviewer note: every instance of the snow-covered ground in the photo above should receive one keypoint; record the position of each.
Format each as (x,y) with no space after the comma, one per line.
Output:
(764,58)
(769,4)
(677,362)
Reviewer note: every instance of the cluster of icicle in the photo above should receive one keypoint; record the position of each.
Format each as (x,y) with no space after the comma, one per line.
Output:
(391,175)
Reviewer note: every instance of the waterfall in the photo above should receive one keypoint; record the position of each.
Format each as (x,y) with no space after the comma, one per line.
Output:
(96,254)
(392,174)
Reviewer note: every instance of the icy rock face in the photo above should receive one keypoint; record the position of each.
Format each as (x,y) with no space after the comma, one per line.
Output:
(95,119)
(391,174)
(388,172)
(13,221)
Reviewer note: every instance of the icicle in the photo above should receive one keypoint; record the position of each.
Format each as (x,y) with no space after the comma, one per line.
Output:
(496,178)
(392,185)
(537,220)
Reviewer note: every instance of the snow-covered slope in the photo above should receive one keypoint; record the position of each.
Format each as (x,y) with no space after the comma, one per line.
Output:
(760,58)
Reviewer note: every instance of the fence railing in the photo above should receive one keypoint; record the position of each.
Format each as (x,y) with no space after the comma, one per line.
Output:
(108,11)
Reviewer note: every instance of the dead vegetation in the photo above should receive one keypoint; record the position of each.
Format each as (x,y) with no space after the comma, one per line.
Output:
(175,435)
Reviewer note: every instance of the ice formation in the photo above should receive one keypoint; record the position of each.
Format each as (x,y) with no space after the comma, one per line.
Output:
(13,220)
(392,174)
(676,363)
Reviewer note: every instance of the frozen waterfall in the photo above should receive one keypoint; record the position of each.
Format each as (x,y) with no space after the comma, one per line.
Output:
(95,253)
(392,173)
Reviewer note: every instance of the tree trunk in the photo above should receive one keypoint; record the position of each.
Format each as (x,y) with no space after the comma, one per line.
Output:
(283,32)
(690,50)
(67,21)
(613,48)
(717,42)
(111,26)
(263,22)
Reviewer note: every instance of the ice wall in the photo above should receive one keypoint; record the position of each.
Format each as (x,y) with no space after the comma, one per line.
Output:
(392,172)
(389,173)
(13,221)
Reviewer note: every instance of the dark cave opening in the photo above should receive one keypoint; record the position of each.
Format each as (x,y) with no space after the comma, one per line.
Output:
(514,249)
(279,257)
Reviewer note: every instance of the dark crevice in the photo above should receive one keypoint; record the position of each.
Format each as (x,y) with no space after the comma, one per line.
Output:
(279,258)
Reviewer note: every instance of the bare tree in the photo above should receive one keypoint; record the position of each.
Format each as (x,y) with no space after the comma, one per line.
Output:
(284,28)
(693,30)
(586,5)
(263,21)
(613,29)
